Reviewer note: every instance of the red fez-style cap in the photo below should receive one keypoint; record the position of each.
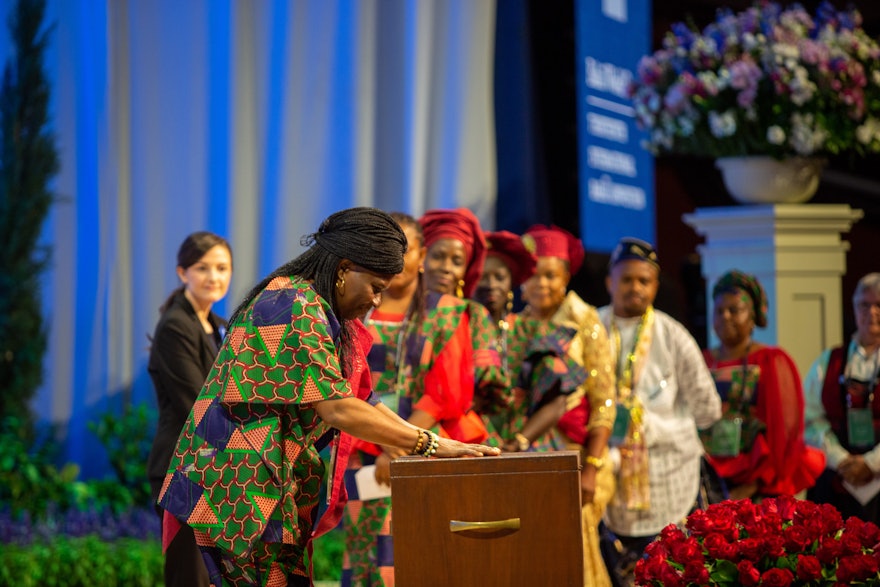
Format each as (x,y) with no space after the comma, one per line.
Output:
(552,241)
(512,251)
(459,224)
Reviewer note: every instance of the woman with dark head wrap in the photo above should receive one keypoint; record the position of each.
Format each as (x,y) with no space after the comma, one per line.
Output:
(757,447)
(291,375)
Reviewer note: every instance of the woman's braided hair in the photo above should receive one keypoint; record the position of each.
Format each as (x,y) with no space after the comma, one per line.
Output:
(365,236)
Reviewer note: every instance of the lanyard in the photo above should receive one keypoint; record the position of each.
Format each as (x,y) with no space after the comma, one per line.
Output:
(625,375)
(872,383)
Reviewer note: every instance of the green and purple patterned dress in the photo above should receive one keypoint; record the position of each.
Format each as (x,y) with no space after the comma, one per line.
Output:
(246,474)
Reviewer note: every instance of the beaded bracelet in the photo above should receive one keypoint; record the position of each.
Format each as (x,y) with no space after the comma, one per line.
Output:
(432,445)
(418,446)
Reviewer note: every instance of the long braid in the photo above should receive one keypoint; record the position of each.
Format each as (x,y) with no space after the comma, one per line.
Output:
(366,236)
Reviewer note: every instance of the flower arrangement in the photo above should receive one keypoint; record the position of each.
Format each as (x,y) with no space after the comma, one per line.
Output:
(766,81)
(780,542)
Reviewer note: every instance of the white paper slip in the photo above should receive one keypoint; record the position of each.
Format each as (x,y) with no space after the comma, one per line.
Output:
(864,493)
(367,486)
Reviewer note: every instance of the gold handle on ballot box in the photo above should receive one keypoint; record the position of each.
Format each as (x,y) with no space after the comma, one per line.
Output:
(459,526)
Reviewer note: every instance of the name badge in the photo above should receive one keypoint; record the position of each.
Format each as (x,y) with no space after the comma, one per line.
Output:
(860,424)
(725,438)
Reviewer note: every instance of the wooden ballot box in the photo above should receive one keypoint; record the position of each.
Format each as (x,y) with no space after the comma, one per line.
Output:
(509,520)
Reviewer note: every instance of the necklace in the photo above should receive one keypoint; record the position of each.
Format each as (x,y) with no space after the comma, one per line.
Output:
(625,375)
(501,342)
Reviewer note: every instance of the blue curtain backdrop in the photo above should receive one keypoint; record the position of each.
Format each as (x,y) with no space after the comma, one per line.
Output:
(251,119)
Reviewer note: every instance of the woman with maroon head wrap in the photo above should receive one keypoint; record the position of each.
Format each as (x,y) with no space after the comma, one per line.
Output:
(424,367)
(585,415)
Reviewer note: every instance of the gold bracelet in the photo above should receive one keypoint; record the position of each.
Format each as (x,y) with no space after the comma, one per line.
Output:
(597,462)
(522,443)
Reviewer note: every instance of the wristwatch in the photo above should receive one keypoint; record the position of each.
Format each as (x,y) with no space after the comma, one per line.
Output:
(597,462)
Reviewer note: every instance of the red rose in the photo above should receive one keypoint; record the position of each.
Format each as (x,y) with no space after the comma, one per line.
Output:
(773,545)
(750,548)
(687,551)
(850,544)
(829,550)
(796,538)
(808,567)
(669,577)
(785,505)
(718,547)
(856,568)
(748,574)
(777,578)
(696,573)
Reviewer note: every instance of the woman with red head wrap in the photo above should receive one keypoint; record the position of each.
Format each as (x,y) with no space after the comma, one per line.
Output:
(424,367)
(583,418)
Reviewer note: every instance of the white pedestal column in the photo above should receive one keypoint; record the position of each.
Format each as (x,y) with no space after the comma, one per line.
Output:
(796,251)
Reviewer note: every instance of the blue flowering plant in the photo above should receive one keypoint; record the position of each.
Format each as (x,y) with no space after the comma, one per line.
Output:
(770,80)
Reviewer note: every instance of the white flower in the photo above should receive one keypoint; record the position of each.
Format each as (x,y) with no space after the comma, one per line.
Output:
(806,138)
(775,135)
(869,131)
(722,125)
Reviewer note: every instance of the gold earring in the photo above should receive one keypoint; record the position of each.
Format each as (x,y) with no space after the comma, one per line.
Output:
(509,301)
(340,286)
(459,289)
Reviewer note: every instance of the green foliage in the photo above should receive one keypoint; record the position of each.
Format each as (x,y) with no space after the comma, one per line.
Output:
(29,481)
(81,562)
(328,551)
(127,439)
(28,162)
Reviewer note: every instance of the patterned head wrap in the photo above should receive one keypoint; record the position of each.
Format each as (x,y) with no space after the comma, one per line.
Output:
(552,241)
(734,280)
(513,253)
(461,225)
(634,248)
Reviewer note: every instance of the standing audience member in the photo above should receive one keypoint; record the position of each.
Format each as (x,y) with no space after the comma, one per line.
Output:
(583,418)
(664,393)
(843,412)
(453,266)
(291,378)
(184,346)
(422,364)
(758,445)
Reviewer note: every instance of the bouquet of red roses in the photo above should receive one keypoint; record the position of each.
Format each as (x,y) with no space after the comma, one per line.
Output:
(780,542)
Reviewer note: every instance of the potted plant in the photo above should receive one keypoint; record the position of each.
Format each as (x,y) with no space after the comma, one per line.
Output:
(768,84)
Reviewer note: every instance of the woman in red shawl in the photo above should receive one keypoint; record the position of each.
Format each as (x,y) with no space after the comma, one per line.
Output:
(758,445)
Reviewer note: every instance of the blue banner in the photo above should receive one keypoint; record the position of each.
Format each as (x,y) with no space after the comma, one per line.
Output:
(616,172)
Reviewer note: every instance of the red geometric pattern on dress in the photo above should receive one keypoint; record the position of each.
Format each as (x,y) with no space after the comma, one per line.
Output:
(277,577)
(257,436)
(165,483)
(236,335)
(310,391)
(292,450)
(232,393)
(271,336)
(354,508)
(202,538)
(202,514)
(264,503)
(200,406)
(237,441)
(279,283)
(287,536)
(386,526)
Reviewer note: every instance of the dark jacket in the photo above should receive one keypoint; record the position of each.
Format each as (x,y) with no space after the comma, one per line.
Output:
(181,357)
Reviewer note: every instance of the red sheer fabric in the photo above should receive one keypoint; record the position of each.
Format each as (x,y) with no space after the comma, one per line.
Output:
(778,460)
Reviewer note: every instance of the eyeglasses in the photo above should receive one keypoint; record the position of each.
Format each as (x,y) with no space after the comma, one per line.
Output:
(866,307)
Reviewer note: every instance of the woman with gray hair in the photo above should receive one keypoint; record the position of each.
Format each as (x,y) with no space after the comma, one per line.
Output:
(843,412)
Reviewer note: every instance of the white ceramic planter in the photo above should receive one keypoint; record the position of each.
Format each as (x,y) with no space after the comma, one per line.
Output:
(765,180)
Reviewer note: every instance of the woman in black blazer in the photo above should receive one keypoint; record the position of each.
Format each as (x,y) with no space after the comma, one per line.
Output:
(183,350)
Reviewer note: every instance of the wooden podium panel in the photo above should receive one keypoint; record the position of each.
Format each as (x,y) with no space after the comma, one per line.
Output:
(527,507)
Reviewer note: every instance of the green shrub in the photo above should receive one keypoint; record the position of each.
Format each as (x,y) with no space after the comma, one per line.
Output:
(82,562)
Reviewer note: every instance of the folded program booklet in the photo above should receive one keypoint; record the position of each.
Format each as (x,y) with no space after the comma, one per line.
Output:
(367,486)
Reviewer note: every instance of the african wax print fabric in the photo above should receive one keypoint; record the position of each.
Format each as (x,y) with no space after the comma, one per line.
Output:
(764,391)
(247,468)
(442,366)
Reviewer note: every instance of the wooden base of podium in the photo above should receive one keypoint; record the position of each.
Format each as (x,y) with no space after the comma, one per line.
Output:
(512,520)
